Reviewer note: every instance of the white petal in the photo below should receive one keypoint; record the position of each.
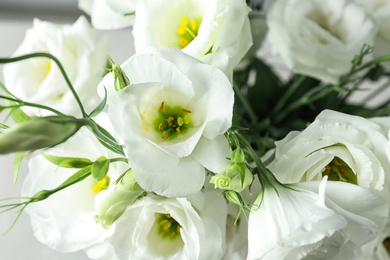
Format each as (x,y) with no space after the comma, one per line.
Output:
(366,210)
(290,223)
(214,89)
(179,181)
(212,154)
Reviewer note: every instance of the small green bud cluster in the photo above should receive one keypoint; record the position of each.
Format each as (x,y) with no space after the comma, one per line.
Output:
(234,175)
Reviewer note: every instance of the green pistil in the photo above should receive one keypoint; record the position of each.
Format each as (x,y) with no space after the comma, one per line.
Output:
(172,121)
(338,170)
(168,227)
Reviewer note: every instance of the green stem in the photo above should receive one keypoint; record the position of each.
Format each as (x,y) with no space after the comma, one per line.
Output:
(47,55)
(309,97)
(24,103)
(265,176)
(290,90)
(347,77)
(118,159)
(244,102)
(376,92)
(102,137)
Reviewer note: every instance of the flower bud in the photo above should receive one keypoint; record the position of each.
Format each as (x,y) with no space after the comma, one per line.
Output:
(233,197)
(234,175)
(38,133)
(120,79)
(116,202)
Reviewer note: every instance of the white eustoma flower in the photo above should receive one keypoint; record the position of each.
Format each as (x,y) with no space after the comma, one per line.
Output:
(109,14)
(319,38)
(39,80)
(380,10)
(345,147)
(292,223)
(376,249)
(65,221)
(314,220)
(214,31)
(172,118)
(166,228)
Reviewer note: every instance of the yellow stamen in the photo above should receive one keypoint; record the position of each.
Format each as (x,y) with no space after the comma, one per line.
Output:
(181,30)
(48,67)
(183,41)
(161,107)
(184,21)
(101,185)
(194,25)
(185,110)
(164,135)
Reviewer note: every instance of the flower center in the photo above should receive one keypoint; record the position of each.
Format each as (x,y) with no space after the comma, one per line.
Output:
(338,170)
(188,30)
(168,227)
(172,121)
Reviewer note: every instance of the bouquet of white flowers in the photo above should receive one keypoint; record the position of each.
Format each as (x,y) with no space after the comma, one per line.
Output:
(198,146)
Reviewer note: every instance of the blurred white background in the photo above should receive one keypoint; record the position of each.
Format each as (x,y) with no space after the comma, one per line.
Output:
(15,17)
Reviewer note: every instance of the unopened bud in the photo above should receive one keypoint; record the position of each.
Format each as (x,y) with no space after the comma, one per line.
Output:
(38,133)
(234,175)
(120,79)
(233,197)
(116,202)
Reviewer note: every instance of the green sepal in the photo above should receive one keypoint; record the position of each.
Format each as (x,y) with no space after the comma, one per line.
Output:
(99,107)
(18,159)
(100,168)
(75,178)
(68,162)
(16,113)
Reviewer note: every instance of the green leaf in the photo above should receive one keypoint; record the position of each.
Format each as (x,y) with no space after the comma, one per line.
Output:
(100,168)
(99,107)
(17,163)
(68,162)
(75,178)
(101,131)
(3,126)
(16,113)
(266,90)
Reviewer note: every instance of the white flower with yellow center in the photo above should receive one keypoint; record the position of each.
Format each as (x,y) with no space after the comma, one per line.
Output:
(314,220)
(214,31)
(66,220)
(39,80)
(166,228)
(171,119)
(346,148)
